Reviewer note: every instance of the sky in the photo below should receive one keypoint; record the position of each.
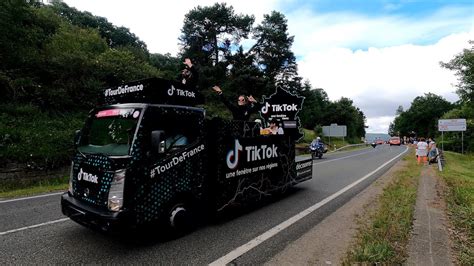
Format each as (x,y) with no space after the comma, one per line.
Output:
(379,53)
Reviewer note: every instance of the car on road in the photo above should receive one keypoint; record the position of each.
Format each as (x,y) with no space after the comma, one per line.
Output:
(379,141)
(394,141)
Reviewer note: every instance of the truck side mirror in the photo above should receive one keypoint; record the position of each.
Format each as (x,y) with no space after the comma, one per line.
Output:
(77,137)
(157,141)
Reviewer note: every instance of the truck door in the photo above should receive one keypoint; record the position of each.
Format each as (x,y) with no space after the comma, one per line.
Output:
(177,174)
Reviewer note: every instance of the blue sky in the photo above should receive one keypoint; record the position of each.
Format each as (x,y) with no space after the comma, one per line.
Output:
(410,8)
(381,54)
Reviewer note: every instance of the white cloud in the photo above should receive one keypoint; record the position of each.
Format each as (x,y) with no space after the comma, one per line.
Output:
(314,31)
(380,79)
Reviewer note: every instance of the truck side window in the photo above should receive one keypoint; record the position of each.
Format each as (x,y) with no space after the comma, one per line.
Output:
(175,142)
(181,128)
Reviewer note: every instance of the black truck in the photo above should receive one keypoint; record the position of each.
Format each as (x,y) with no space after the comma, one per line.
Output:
(147,155)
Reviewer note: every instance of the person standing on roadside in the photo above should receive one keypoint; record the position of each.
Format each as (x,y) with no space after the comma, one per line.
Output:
(422,150)
(431,148)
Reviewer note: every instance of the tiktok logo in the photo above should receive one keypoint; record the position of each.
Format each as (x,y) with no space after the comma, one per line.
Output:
(171,91)
(232,158)
(265,108)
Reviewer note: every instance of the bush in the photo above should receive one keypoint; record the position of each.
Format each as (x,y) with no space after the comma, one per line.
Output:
(38,139)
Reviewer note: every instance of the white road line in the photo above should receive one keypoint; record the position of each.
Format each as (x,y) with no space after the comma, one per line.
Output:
(33,226)
(32,197)
(234,254)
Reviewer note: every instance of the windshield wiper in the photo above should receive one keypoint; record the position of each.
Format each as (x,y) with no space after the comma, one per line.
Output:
(83,155)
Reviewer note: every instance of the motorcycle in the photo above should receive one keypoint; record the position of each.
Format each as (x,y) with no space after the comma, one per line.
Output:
(373,144)
(317,150)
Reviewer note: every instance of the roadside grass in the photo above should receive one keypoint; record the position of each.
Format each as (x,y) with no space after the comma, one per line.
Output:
(13,189)
(459,176)
(384,232)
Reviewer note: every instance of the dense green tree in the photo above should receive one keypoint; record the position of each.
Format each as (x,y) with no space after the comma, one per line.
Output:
(70,69)
(24,30)
(463,65)
(273,52)
(208,33)
(245,75)
(113,35)
(315,107)
(49,52)
(118,66)
(167,64)
(422,116)
(342,112)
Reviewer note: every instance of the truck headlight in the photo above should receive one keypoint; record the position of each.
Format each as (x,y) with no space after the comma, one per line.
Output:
(70,189)
(115,201)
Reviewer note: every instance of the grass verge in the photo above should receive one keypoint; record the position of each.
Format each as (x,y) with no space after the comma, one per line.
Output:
(10,189)
(384,233)
(459,176)
(36,138)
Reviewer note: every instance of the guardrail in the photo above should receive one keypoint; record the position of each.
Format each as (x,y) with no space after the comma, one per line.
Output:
(350,145)
(440,158)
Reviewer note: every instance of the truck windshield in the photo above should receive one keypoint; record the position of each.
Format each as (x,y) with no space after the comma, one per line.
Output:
(110,131)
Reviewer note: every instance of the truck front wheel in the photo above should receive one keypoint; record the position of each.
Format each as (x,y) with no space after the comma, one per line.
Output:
(179,218)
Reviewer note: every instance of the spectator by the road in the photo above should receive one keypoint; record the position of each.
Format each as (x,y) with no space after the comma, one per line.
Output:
(432,148)
(422,150)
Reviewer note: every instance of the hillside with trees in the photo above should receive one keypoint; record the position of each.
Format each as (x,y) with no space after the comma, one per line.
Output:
(55,60)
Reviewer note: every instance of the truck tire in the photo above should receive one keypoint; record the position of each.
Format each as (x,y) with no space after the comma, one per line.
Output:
(179,218)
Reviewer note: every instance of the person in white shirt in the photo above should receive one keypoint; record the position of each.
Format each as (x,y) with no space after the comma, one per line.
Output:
(422,150)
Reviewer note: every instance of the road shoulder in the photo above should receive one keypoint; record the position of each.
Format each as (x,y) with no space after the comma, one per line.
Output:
(429,243)
(328,242)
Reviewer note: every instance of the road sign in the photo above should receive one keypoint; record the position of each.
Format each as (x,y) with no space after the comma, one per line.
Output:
(452,125)
(335,131)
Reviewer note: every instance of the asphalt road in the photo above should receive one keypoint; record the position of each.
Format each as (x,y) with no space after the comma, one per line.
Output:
(33,230)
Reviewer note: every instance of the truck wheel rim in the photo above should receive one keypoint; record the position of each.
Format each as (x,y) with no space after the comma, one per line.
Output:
(177,213)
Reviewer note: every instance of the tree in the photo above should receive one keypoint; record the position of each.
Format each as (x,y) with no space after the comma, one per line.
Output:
(167,64)
(343,112)
(209,32)
(422,116)
(245,75)
(114,36)
(118,66)
(463,65)
(315,107)
(273,52)
(24,31)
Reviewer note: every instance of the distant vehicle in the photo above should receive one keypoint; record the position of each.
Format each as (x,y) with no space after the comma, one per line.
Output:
(394,141)
(378,141)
